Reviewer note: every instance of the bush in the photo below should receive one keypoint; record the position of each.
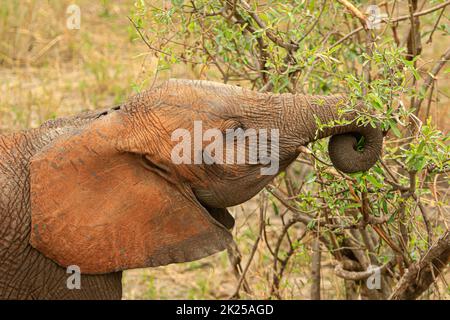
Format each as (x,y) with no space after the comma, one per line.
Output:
(393,217)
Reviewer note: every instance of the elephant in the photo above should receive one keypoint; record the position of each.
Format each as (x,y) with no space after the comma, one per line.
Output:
(100,190)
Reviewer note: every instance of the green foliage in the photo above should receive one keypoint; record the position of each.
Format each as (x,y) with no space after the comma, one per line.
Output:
(297,46)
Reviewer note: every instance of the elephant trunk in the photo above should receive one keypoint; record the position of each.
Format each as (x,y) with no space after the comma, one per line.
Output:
(343,151)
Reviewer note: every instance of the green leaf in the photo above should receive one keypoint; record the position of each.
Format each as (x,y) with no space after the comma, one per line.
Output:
(395,130)
(374,181)
(311,224)
(275,208)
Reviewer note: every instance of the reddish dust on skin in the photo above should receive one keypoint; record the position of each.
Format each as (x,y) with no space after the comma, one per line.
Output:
(102,219)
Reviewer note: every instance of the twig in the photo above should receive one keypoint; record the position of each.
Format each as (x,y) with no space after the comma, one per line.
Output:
(355,11)
(401,18)
(413,42)
(357,275)
(274,38)
(430,100)
(419,275)
(235,260)
(262,210)
(315,269)
(144,38)
(430,37)
(311,28)
(425,219)
(278,272)
(430,79)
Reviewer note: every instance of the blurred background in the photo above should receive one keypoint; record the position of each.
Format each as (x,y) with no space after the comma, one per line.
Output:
(119,48)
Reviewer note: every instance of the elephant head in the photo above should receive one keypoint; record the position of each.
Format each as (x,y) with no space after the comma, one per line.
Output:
(113,193)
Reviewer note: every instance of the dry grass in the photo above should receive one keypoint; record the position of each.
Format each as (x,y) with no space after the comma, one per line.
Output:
(47,71)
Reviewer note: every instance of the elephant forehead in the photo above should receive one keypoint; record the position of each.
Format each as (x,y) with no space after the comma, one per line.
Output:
(203,86)
(198,107)
(202,95)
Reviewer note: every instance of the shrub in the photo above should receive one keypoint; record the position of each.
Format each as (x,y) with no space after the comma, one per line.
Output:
(392,217)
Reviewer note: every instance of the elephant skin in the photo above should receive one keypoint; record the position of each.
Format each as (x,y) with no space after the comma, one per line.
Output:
(100,191)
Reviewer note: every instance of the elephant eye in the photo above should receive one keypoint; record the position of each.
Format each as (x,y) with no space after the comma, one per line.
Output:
(154,166)
(231,125)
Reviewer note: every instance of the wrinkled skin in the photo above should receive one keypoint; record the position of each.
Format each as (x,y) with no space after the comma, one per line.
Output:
(100,191)
(24,272)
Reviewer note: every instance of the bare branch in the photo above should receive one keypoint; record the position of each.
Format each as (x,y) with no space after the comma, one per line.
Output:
(315,269)
(262,211)
(421,275)
(356,275)
(355,11)
(398,19)
(431,78)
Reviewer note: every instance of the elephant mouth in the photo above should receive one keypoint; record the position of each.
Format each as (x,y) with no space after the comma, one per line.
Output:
(221,215)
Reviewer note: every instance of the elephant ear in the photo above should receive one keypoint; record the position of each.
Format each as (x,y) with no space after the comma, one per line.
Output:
(99,208)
